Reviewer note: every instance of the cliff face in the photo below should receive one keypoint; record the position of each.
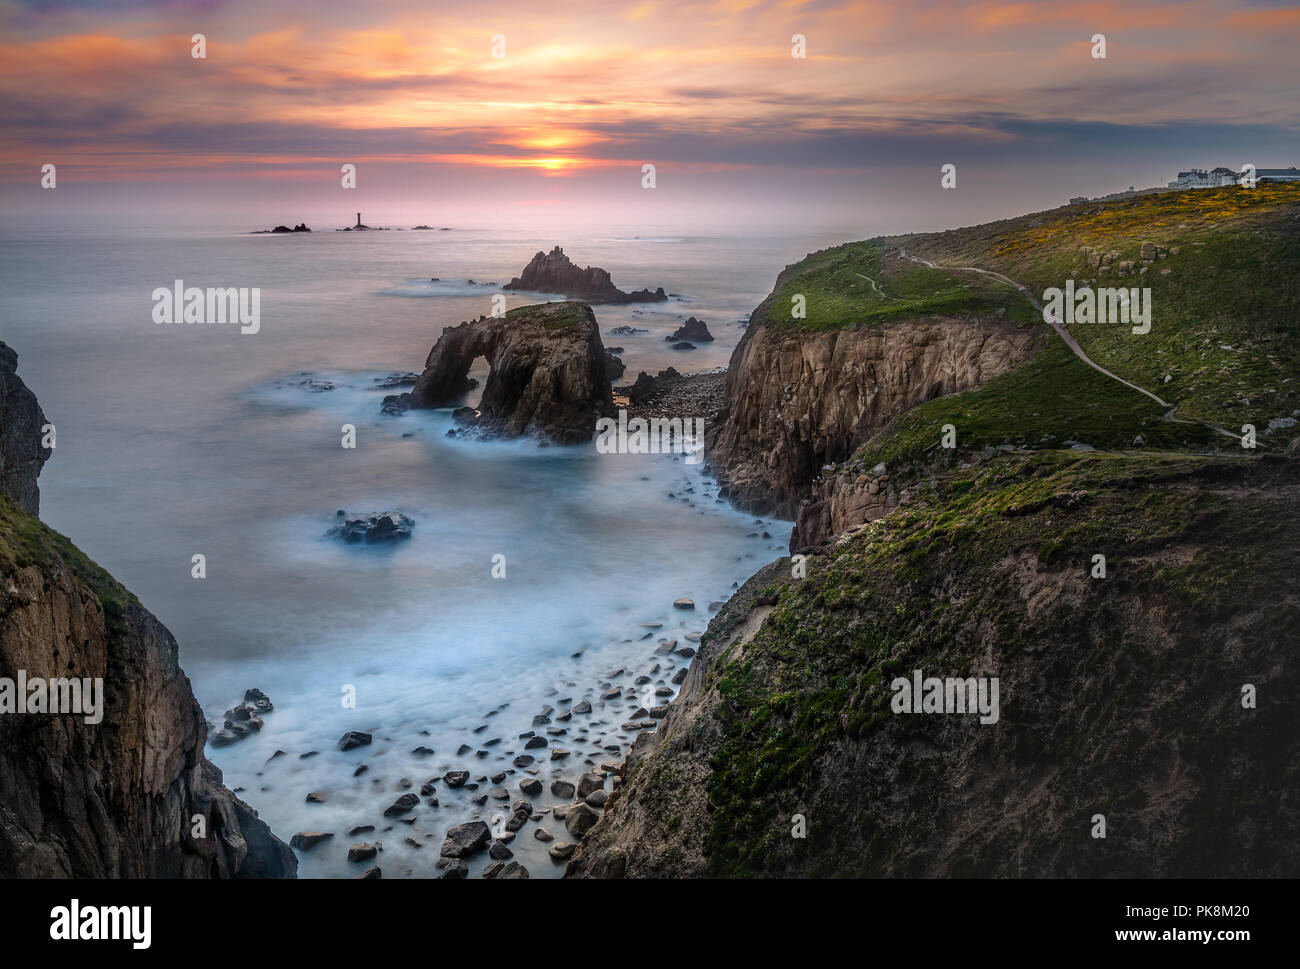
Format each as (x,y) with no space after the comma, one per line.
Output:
(797,400)
(21,420)
(838,503)
(1122,697)
(554,272)
(548,372)
(131,795)
(1134,604)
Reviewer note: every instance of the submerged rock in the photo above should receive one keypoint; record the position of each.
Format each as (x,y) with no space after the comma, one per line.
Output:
(385,527)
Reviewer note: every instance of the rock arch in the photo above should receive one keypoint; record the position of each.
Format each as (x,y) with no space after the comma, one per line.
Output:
(547,372)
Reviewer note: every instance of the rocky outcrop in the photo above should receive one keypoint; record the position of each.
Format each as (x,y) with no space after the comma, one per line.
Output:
(128,794)
(841,501)
(21,420)
(120,798)
(554,272)
(1129,698)
(697,331)
(548,372)
(799,400)
(388,526)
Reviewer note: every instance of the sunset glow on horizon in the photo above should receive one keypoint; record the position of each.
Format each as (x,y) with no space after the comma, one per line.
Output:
(582,96)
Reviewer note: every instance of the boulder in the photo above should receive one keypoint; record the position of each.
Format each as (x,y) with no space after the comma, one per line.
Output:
(401,805)
(362,851)
(306,840)
(588,783)
(387,526)
(580,820)
(353,739)
(466,839)
(561,850)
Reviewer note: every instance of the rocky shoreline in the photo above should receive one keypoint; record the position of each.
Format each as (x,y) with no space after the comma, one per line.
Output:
(514,795)
(671,394)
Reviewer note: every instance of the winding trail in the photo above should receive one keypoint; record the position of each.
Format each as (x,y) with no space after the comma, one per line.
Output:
(878,290)
(1070,342)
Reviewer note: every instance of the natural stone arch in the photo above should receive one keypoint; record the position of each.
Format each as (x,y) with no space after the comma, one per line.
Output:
(547,372)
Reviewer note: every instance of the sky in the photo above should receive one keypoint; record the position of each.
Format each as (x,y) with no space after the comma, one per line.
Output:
(514,112)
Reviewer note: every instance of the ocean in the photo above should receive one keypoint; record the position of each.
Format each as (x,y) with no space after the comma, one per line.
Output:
(183,440)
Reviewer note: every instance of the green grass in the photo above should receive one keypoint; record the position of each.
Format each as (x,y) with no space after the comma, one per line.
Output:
(1234,283)
(838,296)
(554,316)
(26,541)
(915,589)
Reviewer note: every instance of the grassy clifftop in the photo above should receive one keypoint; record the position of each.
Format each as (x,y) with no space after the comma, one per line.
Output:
(1223,268)
(1119,696)
(864,284)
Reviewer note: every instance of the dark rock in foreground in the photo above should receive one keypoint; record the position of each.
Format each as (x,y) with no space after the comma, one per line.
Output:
(386,527)
(353,739)
(117,797)
(306,840)
(466,839)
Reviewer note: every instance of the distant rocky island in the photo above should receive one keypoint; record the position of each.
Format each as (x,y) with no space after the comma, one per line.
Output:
(554,272)
(281,229)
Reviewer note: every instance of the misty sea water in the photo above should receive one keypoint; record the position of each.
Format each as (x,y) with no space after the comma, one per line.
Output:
(177,440)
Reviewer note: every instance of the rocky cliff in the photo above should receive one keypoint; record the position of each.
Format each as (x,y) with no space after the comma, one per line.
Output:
(548,372)
(1158,697)
(131,795)
(796,401)
(22,453)
(1121,566)
(804,393)
(554,272)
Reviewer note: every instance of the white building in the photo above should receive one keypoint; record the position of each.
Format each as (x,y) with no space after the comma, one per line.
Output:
(1200,178)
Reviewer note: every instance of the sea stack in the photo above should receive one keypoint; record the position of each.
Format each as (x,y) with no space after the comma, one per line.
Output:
(549,373)
(554,272)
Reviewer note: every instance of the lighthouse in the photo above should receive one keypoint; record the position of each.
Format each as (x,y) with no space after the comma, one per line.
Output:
(358,225)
